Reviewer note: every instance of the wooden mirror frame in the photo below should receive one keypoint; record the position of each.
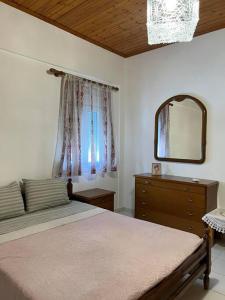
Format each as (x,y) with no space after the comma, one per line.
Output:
(180,98)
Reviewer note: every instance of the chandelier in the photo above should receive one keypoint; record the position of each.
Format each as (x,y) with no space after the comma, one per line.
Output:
(170,21)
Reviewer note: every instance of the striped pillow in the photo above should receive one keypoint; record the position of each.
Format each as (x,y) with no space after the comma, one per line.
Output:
(45,193)
(11,201)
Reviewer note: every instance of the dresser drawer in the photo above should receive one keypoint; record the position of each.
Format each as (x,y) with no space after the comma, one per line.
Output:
(168,198)
(143,203)
(171,221)
(144,181)
(191,188)
(142,190)
(184,211)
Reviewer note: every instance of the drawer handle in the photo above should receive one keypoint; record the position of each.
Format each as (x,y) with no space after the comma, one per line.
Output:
(143,215)
(190,228)
(143,191)
(190,213)
(147,182)
(190,200)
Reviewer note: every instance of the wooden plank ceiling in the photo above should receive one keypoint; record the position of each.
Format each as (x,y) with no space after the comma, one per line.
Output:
(116,25)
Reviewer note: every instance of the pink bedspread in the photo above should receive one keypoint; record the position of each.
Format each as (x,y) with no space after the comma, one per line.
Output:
(105,257)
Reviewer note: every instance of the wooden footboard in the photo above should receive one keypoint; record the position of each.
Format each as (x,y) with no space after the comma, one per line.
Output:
(195,266)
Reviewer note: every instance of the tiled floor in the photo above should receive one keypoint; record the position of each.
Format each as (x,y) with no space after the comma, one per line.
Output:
(217,276)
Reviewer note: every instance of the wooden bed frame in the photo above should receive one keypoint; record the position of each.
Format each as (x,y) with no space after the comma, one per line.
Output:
(195,266)
(176,284)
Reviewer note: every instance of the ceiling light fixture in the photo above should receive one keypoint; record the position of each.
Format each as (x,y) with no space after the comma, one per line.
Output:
(170,21)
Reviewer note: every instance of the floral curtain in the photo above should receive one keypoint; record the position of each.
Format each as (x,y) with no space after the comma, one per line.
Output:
(85,142)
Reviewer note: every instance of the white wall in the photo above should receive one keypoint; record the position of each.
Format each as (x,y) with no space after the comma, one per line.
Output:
(29,98)
(196,68)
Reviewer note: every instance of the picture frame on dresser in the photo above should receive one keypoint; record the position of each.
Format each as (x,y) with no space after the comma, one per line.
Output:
(156,169)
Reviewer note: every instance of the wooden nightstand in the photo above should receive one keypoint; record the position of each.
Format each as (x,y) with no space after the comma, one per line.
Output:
(98,197)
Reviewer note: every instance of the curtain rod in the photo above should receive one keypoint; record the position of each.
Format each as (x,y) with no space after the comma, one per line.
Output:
(58,73)
(11,52)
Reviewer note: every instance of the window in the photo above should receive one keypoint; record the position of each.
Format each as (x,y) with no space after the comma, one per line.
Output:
(90,140)
(96,138)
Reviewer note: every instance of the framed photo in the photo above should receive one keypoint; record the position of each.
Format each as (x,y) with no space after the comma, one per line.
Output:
(156,169)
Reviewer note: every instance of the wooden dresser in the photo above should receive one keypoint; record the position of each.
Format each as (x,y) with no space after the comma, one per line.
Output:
(174,201)
(97,197)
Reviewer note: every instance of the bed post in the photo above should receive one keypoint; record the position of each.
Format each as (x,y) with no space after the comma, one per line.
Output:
(70,188)
(207,238)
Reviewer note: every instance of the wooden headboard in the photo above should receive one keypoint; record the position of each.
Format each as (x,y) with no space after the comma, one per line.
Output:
(70,188)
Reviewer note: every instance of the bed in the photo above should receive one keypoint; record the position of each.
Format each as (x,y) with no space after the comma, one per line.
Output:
(78,251)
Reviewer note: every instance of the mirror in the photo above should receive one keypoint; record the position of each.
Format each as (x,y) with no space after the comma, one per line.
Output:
(180,130)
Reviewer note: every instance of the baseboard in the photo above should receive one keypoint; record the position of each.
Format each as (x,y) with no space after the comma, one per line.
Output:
(124,209)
